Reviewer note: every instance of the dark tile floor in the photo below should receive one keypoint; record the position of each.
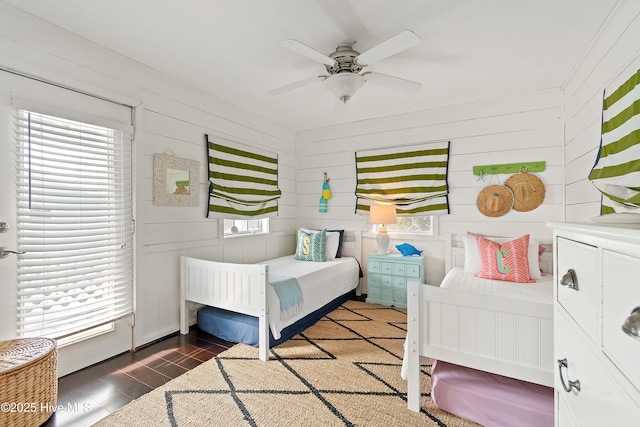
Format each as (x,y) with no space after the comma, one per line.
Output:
(94,392)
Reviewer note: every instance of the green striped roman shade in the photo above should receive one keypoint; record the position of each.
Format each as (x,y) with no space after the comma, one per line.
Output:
(243,184)
(617,170)
(412,178)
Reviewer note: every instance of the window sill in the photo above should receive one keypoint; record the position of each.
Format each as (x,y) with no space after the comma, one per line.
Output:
(85,335)
(398,235)
(237,235)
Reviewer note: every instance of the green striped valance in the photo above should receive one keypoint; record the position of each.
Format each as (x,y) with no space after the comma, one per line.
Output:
(412,178)
(617,170)
(242,184)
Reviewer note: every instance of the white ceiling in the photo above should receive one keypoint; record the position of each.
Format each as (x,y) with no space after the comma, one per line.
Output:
(470,50)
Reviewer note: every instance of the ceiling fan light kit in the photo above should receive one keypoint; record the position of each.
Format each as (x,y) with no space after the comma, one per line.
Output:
(344,85)
(345,64)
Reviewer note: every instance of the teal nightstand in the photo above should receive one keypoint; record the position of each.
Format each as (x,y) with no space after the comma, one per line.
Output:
(387,277)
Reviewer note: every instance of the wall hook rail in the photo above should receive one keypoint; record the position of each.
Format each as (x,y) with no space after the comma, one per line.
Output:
(509,168)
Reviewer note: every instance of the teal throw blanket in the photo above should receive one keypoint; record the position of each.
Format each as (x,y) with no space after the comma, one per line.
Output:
(290,294)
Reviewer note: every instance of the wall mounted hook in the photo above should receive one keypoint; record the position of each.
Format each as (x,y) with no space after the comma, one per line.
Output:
(509,168)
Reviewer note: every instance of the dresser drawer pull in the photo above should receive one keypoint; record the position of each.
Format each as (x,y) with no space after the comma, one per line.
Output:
(562,363)
(570,280)
(631,325)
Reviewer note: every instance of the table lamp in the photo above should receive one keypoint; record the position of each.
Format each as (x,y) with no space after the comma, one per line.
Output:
(383,215)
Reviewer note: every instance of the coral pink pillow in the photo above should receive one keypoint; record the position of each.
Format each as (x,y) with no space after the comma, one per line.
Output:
(507,261)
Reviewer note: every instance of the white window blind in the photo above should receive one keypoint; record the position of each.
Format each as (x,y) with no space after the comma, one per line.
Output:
(74,210)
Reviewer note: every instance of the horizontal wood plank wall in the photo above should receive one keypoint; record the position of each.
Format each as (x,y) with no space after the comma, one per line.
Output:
(169,116)
(612,57)
(521,128)
(526,127)
(168,232)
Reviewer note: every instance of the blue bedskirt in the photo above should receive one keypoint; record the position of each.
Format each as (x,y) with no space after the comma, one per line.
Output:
(242,328)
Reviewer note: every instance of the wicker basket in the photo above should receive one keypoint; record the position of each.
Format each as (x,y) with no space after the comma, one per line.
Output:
(28,381)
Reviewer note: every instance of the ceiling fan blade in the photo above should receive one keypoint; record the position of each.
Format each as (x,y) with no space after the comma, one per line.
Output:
(305,50)
(296,85)
(395,44)
(406,86)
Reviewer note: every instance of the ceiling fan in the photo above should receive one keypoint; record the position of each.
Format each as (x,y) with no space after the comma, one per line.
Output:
(345,65)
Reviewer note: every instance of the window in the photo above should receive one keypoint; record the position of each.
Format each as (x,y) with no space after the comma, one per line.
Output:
(245,226)
(74,210)
(416,224)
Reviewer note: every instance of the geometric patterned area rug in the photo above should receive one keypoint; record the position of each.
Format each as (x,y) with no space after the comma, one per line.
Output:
(342,371)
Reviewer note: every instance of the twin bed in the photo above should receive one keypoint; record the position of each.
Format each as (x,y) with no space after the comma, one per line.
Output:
(261,304)
(492,326)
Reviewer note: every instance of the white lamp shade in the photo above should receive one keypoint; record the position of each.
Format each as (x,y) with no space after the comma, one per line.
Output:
(344,85)
(382,214)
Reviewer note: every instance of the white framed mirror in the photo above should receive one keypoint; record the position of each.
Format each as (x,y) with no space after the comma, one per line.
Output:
(176,181)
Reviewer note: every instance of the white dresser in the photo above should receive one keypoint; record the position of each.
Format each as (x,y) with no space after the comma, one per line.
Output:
(597,286)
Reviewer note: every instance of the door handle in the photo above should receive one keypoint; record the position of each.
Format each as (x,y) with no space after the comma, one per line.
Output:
(4,252)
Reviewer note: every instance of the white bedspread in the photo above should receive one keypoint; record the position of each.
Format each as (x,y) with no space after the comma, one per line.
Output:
(540,291)
(321,282)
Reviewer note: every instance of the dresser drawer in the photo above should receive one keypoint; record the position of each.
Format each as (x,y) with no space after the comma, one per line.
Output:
(413,270)
(373,266)
(399,269)
(620,295)
(373,280)
(386,267)
(374,292)
(399,282)
(580,302)
(400,296)
(386,281)
(597,389)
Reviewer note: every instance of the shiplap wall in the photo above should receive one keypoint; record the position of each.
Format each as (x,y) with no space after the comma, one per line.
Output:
(526,127)
(613,57)
(166,232)
(169,117)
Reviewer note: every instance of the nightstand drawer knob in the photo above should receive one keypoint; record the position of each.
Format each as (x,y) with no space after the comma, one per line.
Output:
(631,325)
(570,279)
(562,363)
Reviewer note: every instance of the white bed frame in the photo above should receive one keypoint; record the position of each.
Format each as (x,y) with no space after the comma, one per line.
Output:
(237,287)
(500,335)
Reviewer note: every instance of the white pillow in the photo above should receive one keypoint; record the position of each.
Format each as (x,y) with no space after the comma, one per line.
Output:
(472,255)
(332,243)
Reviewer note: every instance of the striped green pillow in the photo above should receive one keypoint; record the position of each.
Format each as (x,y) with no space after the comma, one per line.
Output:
(311,246)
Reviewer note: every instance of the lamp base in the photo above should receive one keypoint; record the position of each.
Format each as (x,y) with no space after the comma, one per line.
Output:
(383,241)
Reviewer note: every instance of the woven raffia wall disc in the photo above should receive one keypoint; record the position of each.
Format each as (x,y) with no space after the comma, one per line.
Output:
(495,200)
(528,191)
